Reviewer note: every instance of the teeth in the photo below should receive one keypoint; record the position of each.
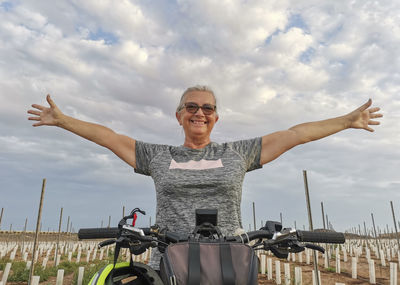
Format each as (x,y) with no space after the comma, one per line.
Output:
(198,122)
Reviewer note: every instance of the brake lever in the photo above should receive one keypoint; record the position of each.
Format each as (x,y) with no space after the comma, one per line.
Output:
(296,247)
(106,242)
(316,247)
(278,252)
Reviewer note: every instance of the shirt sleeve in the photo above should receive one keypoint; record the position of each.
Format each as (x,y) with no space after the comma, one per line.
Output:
(250,151)
(145,153)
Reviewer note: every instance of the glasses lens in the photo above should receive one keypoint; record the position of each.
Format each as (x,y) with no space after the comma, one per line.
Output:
(208,109)
(191,107)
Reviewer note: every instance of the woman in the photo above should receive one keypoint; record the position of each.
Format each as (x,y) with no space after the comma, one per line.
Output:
(201,173)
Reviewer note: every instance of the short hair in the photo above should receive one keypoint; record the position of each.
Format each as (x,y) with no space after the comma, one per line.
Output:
(203,88)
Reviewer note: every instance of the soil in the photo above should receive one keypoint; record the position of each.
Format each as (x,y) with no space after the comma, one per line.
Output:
(329,277)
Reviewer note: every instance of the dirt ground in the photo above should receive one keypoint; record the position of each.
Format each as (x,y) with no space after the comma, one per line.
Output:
(382,274)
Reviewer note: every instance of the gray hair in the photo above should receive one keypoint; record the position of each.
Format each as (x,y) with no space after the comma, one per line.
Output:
(196,88)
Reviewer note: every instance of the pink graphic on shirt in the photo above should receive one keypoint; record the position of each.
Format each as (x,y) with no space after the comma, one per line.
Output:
(196,165)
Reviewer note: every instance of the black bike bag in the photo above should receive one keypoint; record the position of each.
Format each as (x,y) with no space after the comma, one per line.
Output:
(209,263)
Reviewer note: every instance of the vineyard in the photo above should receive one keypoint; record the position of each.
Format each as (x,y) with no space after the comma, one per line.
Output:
(63,259)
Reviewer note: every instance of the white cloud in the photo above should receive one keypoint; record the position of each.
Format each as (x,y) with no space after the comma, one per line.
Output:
(272,64)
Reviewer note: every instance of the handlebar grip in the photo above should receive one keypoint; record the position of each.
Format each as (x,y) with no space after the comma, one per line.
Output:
(95,233)
(249,236)
(322,237)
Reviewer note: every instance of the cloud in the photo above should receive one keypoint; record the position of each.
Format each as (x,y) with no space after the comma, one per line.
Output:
(272,65)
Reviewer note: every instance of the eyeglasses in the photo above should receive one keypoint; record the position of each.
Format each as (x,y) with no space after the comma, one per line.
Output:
(207,109)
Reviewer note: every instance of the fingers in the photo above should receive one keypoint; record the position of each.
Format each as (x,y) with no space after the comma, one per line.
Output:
(373,123)
(33,112)
(373,110)
(39,107)
(366,105)
(50,101)
(373,116)
(34,118)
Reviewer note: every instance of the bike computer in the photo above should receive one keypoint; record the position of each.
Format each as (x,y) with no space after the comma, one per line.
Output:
(206,216)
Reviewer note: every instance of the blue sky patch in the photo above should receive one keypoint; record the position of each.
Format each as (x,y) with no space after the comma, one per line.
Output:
(269,39)
(306,56)
(296,20)
(108,38)
(7,5)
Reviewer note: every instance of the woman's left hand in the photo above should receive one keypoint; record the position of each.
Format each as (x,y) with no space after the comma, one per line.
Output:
(361,118)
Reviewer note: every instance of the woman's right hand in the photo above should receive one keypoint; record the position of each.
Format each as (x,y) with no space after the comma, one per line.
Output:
(44,115)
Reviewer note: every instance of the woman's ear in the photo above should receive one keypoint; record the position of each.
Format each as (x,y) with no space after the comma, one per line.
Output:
(178,117)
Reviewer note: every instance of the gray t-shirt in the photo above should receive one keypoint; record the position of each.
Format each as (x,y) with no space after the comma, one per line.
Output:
(187,179)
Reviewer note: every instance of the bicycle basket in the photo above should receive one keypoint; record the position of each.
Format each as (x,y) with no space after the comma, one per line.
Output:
(208,263)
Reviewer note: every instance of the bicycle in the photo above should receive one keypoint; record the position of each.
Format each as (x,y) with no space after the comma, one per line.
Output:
(280,241)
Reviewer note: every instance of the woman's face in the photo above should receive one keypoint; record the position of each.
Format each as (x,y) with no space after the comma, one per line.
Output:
(199,124)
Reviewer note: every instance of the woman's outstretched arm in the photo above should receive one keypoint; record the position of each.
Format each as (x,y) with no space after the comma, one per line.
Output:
(275,144)
(123,146)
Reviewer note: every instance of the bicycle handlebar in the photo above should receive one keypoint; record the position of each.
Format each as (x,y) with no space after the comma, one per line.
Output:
(98,233)
(172,237)
(320,237)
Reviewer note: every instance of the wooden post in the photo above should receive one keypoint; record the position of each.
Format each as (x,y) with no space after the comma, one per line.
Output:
(1,216)
(311,224)
(23,236)
(376,236)
(327,221)
(37,230)
(323,215)
(395,228)
(254,216)
(67,225)
(326,245)
(59,234)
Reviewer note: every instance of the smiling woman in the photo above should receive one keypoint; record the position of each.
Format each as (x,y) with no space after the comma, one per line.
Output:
(197,115)
(201,173)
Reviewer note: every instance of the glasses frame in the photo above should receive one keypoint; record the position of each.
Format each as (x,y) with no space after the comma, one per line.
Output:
(205,108)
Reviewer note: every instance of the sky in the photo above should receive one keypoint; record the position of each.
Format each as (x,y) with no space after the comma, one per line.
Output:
(272,64)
